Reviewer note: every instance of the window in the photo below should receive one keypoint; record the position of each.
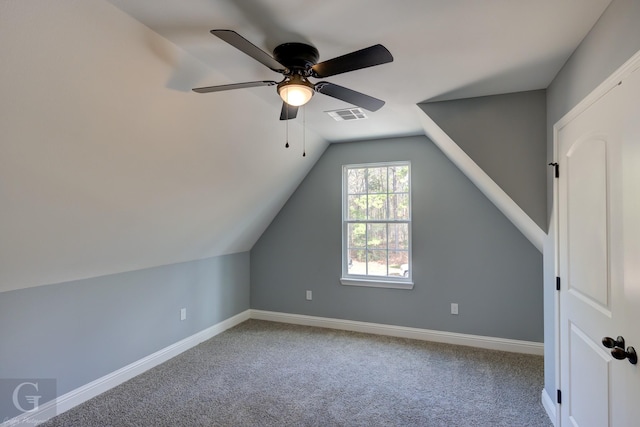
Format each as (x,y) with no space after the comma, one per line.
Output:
(376,225)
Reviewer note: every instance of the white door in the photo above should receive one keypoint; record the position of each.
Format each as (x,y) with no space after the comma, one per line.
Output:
(599,259)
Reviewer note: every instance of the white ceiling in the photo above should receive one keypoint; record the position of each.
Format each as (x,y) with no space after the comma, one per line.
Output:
(110,163)
(442,49)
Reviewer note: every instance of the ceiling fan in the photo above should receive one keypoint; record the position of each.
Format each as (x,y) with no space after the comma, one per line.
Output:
(299,61)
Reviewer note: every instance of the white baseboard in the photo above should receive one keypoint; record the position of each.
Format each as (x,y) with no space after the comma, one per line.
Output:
(492,343)
(549,406)
(82,394)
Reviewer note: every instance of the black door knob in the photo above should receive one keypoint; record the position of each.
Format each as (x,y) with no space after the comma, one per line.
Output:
(621,354)
(611,343)
(618,351)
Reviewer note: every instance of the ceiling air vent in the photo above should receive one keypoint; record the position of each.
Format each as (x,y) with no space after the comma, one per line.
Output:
(347,114)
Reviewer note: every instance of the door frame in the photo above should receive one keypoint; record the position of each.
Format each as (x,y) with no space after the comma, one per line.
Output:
(616,78)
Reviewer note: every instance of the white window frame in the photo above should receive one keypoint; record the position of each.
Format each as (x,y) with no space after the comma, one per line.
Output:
(370,280)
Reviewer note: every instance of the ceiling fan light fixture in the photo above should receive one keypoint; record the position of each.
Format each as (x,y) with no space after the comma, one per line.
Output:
(296,91)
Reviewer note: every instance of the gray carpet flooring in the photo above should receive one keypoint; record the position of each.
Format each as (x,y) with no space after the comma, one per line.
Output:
(270,374)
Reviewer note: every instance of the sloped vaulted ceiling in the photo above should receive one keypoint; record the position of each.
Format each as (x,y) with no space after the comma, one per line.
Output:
(104,167)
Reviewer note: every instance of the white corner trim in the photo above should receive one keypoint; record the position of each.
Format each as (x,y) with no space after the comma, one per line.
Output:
(485,184)
(82,394)
(630,66)
(491,343)
(549,406)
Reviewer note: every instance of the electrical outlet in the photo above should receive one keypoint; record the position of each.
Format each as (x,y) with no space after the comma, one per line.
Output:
(309,296)
(183,314)
(454,308)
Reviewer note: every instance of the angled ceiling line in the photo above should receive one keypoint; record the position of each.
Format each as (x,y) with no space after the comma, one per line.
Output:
(480,179)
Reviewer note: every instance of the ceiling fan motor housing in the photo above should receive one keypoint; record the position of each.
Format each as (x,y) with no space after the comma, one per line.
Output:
(296,57)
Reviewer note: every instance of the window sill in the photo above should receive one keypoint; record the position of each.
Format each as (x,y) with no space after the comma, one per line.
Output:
(376,283)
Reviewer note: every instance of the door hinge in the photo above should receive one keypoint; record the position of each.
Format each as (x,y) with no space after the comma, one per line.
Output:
(559,397)
(557,283)
(556,167)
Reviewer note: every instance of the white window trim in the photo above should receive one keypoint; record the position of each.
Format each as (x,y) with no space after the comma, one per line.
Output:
(374,281)
(392,284)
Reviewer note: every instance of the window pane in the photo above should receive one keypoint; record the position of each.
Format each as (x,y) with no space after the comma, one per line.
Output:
(357,207)
(399,206)
(377,236)
(377,207)
(357,236)
(377,180)
(399,236)
(399,179)
(377,262)
(399,263)
(357,262)
(356,181)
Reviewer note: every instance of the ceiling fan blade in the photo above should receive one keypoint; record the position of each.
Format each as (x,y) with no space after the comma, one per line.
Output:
(351,96)
(288,112)
(368,57)
(244,45)
(220,88)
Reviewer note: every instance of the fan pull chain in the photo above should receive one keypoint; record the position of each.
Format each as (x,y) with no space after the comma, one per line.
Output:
(304,131)
(287,128)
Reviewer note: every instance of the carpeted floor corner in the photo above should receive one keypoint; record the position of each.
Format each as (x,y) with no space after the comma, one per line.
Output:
(271,374)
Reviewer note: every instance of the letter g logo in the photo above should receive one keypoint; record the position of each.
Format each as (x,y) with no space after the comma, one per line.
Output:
(34,399)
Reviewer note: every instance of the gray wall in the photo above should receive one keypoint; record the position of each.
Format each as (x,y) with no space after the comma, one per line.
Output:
(505,135)
(79,331)
(611,42)
(464,251)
